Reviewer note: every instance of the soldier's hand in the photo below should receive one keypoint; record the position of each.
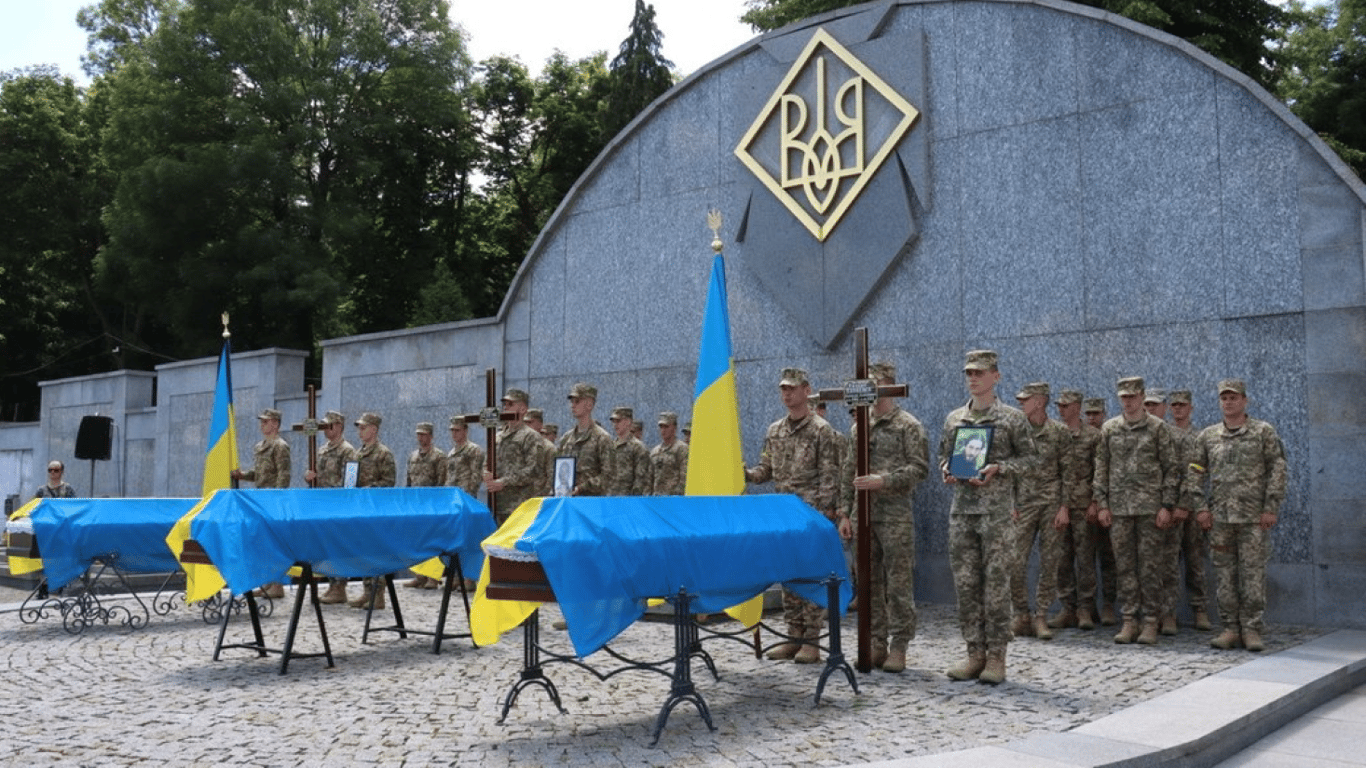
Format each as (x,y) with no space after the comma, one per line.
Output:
(1104,518)
(1204,519)
(236,474)
(494,484)
(1091,513)
(310,476)
(1164,518)
(869,483)
(1180,514)
(988,472)
(1268,520)
(1062,519)
(846,527)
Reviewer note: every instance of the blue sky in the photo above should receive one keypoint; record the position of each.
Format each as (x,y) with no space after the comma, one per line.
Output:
(695,31)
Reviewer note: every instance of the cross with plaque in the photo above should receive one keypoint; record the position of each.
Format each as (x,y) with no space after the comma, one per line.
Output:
(309,427)
(490,417)
(862,393)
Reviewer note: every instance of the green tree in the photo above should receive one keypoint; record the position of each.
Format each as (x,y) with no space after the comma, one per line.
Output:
(767,15)
(116,29)
(1323,79)
(639,73)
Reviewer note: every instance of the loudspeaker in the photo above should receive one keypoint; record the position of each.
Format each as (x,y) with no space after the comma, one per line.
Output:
(95,438)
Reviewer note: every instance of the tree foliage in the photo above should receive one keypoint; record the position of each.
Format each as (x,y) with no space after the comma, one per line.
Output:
(768,15)
(1323,79)
(639,73)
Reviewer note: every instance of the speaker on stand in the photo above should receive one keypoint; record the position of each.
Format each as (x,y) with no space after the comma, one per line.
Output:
(94,441)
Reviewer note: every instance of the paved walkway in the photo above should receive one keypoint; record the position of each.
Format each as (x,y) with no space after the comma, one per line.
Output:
(113,696)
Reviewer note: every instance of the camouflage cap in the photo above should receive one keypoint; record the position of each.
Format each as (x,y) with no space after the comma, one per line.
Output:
(550,430)
(1129,385)
(458,421)
(1032,389)
(517,396)
(622,412)
(668,417)
(1180,396)
(1094,405)
(882,371)
(424,428)
(1232,385)
(369,418)
(1069,396)
(269,413)
(793,377)
(637,425)
(534,414)
(981,360)
(583,390)
(687,427)
(330,418)
(1155,395)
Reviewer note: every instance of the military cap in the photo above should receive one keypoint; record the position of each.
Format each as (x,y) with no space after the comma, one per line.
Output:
(980,360)
(1069,396)
(1180,396)
(269,413)
(1094,405)
(458,420)
(424,428)
(668,417)
(369,418)
(1130,385)
(583,390)
(793,377)
(332,417)
(550,430)
(623,412)
(1232,385)
(1032,389)
(517,396)
(881,371)
(1155,395)
(535,414)
(687,427)
(637,425)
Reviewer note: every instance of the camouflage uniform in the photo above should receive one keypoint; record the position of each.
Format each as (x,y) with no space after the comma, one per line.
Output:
(898,451)
(1193,544)
(1077,584)
(593,459)
(979,521)
(1246,473)
(523,456)
(427,469)
(631,469)
(1038,497)
(465,467)
(376,466)
(1135,477)
(270,464)
(332,461)
(1108,585)
(669,462)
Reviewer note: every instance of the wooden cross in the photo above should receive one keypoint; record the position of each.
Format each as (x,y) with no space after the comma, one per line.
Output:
(859,394)
(310,428)
(490,418)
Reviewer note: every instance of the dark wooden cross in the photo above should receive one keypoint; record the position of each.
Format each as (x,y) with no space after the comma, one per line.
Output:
(310,429)
(860,394)
(490,418)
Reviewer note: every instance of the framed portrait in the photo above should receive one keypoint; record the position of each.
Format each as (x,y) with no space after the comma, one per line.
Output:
(970,448)
(350,473)
(564,476)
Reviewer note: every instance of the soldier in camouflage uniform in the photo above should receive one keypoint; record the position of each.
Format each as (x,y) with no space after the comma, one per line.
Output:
(535,418)
(801,456)
(426,469)
(588,443)
(631,474)
(465,462)
(1193,545)
(898,460)
(1155,402)
(1077,576)
(375,468)
(979,521)
(1039,513)
(523,460)
(270,469)
(669,459)
(331,473)
(1237,479)
(1108,586)
(638,430)
(1135,490)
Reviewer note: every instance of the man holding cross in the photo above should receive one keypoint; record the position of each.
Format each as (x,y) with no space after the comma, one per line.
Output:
(523,459)
(898,460)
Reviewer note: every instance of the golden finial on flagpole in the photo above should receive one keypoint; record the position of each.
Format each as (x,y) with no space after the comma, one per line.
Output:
(714,224)
(226,333)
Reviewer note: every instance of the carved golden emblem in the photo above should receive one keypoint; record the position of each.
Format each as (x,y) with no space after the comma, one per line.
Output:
(824,132)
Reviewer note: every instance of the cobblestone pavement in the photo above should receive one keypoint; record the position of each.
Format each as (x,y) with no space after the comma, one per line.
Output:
(114,697)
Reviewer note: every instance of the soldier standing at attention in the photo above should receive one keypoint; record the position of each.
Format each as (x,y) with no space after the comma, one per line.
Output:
(375,468)
(426,469)
(1039,513)
(465,462)
(979,521)
(1193,546)
(638,430)
(1155,402)
(1242,460)
(800,455)
(535,418)
(588,443)
(631,463)
(669,459)
(898,461)
(1135,490)
(1077,577)
(1108,586)
(332,460)
(270,469)
(523,459)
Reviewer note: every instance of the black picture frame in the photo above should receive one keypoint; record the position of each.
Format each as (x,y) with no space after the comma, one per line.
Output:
(971,444)
(564,476)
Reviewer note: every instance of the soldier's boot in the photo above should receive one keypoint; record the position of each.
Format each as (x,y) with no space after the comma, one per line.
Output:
(1252,640)
(274,590)
(972,666)
(994,672)
(364,600)
(1023,626)
(418,582)
(1107,615)
(1084,620)
(789,649)
(336,593)
(879,653)
(1149,634)
(1168,624)
(1128,632)
(1202,621)
(896,659)
(1066,619)
(810,652)
(1227,639)
(1041,629)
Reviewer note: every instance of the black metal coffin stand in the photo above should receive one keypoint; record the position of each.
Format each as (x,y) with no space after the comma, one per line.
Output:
(450,577)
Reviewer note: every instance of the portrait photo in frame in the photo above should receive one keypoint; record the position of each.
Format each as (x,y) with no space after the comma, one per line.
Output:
(970,447)
(564,476)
